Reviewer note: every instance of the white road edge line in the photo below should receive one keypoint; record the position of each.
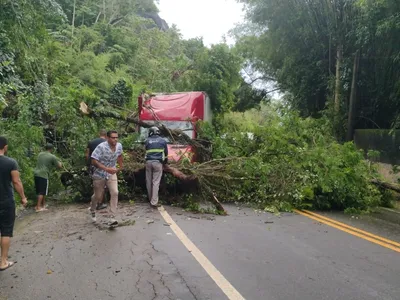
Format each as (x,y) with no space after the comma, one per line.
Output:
(212,271)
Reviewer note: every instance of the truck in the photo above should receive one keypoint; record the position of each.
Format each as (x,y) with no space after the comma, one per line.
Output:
(175,111)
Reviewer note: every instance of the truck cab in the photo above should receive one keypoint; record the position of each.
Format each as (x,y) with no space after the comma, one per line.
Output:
(175,111)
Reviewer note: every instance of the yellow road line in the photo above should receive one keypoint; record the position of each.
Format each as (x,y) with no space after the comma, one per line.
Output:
(212,271)
(372,240)
(354,229)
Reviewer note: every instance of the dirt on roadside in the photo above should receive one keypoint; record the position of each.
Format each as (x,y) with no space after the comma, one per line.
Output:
(65,221)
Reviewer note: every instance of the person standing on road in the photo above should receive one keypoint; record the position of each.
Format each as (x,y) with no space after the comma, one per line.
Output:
(9,175)
(46,162)
(156,156)
(88,155)
(104,159)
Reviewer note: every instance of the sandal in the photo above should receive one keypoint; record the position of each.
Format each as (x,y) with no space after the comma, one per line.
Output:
(41,209)
(10,264)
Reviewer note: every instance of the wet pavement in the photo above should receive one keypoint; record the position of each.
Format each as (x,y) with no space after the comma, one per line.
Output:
(62,255)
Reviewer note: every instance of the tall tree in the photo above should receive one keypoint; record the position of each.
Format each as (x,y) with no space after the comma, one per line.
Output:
(308,47)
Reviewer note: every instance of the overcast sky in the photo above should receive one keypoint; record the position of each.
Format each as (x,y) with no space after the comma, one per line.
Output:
(210,19)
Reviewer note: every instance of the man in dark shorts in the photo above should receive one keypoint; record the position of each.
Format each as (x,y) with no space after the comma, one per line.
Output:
(88,155)
(9,175)
(45,164)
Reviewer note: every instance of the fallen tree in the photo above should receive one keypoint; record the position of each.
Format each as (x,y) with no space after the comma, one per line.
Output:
(285,162)
(177,136)
(193,175)
(386,185)
(209,179)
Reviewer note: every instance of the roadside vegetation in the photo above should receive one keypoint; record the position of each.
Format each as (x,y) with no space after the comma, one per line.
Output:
(326,58)
(285,161)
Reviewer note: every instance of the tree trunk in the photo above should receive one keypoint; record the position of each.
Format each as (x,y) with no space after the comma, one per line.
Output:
(330,56)
(104,10)
(98,16)
(110,114)
(386,185)
(175,135)
(73,18)
(353,98)
(338,81)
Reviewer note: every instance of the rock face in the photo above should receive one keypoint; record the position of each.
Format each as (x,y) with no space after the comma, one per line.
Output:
(161,23)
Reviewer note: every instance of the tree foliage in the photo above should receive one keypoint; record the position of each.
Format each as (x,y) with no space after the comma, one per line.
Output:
(284,160)
(56,53)
(308,47)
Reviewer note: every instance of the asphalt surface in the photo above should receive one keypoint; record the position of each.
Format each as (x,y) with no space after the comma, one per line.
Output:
(61,255)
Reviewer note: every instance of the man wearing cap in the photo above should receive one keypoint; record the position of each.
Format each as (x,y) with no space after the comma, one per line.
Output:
(46,162)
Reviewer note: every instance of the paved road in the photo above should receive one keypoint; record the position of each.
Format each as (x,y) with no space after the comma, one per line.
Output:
(62,256)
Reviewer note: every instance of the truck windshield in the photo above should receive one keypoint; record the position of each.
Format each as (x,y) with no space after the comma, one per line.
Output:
(185,126)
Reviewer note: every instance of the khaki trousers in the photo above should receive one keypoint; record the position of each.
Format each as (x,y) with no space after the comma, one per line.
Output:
(98,187)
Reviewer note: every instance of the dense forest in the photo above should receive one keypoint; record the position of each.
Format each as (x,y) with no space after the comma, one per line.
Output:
(336,63)
(55,54)
(342,54)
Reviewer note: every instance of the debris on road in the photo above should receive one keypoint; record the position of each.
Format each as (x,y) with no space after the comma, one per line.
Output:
(127,223)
